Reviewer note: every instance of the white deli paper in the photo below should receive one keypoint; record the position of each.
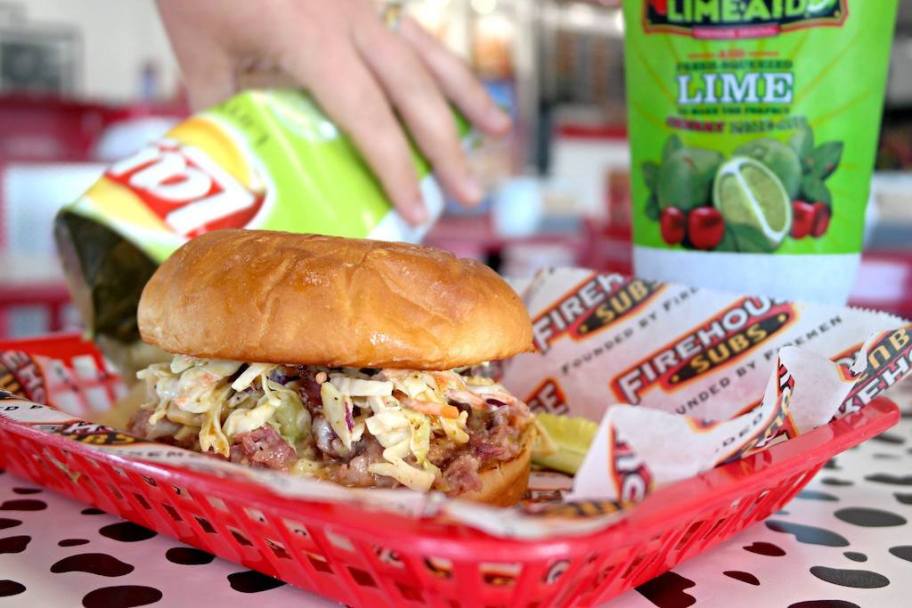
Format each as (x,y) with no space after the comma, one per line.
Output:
(683,379)
(680,380)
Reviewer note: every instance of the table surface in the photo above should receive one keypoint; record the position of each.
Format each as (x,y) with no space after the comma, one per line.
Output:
(844,541)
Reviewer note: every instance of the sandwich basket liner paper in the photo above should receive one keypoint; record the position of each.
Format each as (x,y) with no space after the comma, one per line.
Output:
(681,380)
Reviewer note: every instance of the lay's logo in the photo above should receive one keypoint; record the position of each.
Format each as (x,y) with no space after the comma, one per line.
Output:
(186,190)
(723,339)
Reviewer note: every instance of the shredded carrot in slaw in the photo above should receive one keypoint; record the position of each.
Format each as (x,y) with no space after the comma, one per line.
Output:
(431,408)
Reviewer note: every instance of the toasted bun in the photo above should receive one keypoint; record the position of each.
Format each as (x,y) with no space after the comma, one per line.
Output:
(276,297)
(505,484)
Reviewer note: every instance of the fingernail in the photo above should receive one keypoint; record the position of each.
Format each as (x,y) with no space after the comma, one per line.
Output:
(472,190)
(417,213)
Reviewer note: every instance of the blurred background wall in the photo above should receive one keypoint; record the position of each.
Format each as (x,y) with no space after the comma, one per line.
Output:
(84,82)
(101,49)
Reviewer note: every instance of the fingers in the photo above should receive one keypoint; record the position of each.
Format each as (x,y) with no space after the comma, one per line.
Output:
(348,92)
(455,79)
(209,85)
(421,105)
(207,70)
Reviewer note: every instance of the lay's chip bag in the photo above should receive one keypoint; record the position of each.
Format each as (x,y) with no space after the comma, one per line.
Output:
(266,159)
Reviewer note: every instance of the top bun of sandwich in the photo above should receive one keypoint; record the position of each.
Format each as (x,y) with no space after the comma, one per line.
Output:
(276,297)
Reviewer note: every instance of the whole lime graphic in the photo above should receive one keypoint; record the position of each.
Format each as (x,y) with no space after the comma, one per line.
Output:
(753,202)
(685,178)
(780,158)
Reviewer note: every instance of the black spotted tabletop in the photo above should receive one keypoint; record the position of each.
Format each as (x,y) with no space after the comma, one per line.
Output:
(844,542)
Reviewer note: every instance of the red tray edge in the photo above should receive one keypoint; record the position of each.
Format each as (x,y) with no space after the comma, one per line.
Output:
(662,508)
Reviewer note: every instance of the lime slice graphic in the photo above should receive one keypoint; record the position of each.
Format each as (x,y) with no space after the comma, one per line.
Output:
(778,158)
(571,437)
(819,6)
(753,203)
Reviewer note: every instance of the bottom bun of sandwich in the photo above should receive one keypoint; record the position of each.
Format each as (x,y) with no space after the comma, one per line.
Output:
(506,483)
(346,360)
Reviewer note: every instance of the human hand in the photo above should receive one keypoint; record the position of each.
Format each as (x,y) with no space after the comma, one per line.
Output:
(361,73)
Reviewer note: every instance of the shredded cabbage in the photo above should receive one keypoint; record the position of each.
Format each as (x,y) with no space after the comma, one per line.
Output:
(181,363)
(338,410)
(420,442)
(455,429)
(175,414)
(253,371)
(356,387)
(399,408)
(211,435)
(246,420)
(405,474)
(411,383)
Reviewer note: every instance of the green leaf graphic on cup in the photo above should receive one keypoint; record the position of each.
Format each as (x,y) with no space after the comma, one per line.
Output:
(779,158)
(758,191)
(672,145)
(756,208)
(824,159)
(814,190)
(650,174)
(652,208)
(686,178)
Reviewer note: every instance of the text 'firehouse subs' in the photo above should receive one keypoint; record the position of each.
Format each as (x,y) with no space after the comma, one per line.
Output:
(594,304)
(720,340)
(889,361)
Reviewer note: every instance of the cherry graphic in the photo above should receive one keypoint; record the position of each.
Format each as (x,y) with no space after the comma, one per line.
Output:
(705,227)
(659,6)
(822,215)
(673,225)
(802,219)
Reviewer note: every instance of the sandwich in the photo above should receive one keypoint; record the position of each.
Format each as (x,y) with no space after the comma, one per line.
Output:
(358,362)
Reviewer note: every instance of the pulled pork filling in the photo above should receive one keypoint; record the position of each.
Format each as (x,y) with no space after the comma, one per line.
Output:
(357,427)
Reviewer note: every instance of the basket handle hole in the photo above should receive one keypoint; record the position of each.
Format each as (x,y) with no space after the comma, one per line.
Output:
(205,525)
(240,538)
(362,577)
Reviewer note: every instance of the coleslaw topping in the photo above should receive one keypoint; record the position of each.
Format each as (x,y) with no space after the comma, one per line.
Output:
(360,427)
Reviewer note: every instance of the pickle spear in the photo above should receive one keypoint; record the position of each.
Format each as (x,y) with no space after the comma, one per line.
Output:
(563,442)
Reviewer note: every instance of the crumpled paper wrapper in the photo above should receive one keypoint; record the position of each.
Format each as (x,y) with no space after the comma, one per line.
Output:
(681,379)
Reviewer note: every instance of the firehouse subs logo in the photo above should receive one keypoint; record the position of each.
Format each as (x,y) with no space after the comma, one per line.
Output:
(781,422)
(717,342)
(632,478)
(94,434)
(889,361)
(547,397)
(593,305)
(580,509)
(20,375)
(184,188)
(845,359)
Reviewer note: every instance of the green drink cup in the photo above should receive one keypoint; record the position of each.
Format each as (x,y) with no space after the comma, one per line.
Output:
(753,127)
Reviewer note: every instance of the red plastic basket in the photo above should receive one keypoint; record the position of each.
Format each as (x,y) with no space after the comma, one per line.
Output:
(366,558)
